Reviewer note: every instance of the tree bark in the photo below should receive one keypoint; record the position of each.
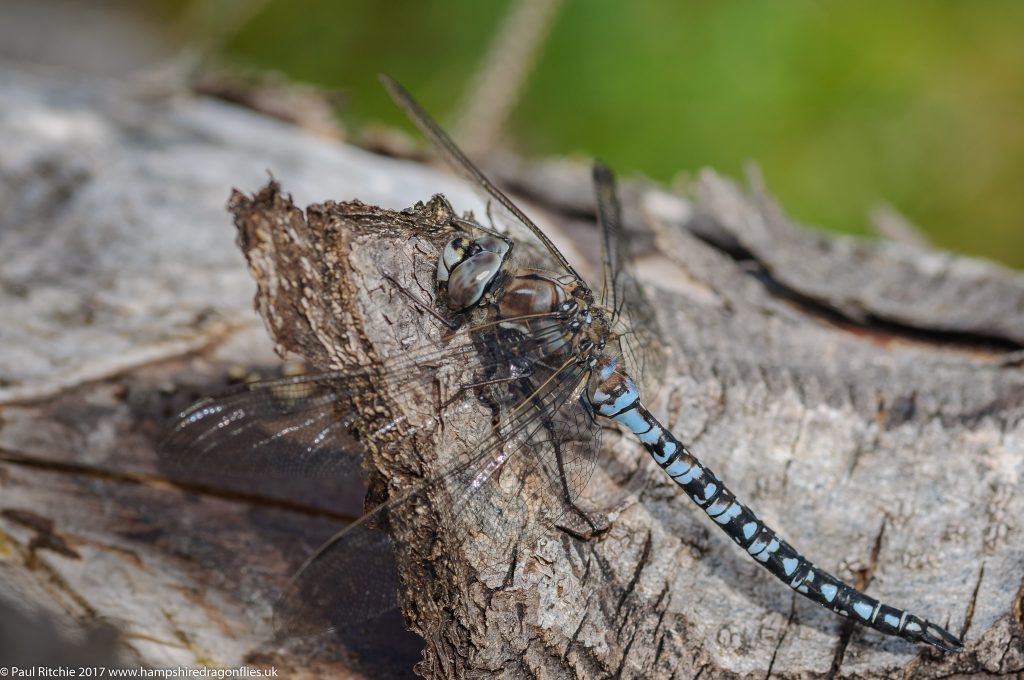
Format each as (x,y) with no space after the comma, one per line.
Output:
(866,398)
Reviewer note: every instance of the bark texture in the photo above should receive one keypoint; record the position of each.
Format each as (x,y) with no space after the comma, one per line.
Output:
(867,399)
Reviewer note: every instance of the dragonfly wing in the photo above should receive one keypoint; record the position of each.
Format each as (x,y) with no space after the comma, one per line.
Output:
(349,582)
(513,484)
(297,426)
(302,426)
(633,317)
(609,224)
(640,338)
(465,168)
(548,455)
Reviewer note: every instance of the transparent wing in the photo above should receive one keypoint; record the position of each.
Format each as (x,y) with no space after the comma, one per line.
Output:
(633,317)
(548,455)
(639,336)
(465,168)
(544,440)
(523,475)
(279,427)
(609,223)
(302,426)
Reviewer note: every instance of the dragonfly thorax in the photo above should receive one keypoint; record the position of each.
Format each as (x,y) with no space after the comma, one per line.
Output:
(550,310)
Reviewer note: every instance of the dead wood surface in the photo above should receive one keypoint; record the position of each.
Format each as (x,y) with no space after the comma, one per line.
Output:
(865,398)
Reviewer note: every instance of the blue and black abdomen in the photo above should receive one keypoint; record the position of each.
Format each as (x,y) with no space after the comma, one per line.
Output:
(613,395)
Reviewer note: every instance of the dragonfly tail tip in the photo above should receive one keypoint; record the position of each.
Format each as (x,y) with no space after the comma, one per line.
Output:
(941,639)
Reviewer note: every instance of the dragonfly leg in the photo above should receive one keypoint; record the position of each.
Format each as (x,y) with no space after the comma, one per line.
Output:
(563,481)
(592,527)
(450,325)
(465,387)
(555,435)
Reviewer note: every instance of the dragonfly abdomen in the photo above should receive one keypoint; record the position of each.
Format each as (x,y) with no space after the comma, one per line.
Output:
(614,396)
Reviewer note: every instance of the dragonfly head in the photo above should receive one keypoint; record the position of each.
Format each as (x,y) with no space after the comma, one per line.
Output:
(466,269)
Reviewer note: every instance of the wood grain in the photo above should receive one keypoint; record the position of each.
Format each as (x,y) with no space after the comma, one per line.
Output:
(865,398)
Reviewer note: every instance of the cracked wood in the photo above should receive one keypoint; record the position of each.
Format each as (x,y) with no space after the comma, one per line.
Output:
(830,411)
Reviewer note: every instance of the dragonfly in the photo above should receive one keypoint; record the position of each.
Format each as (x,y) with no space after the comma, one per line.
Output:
(551,359)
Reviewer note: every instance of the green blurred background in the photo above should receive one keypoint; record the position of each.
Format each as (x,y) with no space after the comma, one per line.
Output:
(919,104)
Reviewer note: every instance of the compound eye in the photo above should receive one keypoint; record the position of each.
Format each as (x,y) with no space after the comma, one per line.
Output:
(493,244)
(471,278)
(455,251)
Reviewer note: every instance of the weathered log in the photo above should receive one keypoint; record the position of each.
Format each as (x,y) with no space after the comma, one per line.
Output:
(865,398)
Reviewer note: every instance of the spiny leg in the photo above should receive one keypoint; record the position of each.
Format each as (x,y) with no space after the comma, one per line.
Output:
(556,440)
(448,323)
(616,397)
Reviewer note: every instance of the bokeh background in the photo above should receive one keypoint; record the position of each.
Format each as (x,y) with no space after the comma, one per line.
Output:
(914,105)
